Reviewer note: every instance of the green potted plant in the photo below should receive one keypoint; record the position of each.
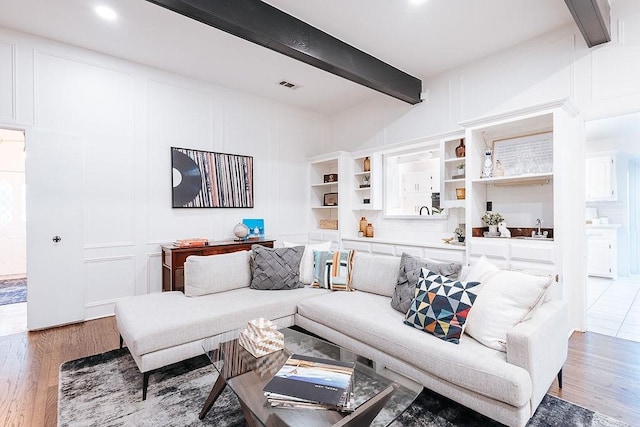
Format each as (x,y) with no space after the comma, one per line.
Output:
(459,232)
(492,219)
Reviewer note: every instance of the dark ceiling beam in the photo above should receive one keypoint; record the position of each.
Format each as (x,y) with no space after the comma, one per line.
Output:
(593,18)
(263,24)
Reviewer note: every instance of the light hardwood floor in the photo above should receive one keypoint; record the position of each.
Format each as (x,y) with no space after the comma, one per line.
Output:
(602,373)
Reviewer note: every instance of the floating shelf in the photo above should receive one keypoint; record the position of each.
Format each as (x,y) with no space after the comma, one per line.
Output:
(526,179)
(455,159)
(325,184)
(455,204)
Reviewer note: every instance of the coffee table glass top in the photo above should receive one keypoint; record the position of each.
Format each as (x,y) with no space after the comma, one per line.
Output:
(247,375)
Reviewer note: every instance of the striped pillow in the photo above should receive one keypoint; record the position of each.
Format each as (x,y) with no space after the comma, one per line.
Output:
(332,269)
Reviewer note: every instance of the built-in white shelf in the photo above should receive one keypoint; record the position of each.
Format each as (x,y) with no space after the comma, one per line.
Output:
(455,160)
(530,178)
(325,184)
(460,180)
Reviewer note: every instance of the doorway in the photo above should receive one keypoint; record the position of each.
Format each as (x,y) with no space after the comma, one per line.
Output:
(613,284)
(13,252)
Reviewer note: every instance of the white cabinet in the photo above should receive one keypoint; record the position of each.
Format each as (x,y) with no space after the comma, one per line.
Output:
(518,254)
(418,188)
(433,250)
(601,184)
(602,253)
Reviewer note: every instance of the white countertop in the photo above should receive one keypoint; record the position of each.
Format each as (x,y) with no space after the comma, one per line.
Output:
(450,246)
(604,225)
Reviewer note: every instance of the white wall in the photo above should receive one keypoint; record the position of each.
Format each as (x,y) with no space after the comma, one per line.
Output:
(127,117)
(599,82)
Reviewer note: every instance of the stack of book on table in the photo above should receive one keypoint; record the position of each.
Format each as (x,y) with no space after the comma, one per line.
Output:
(191,243)
(310,382)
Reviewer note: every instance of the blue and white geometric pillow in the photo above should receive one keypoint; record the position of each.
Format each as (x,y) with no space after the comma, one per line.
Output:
(441,305)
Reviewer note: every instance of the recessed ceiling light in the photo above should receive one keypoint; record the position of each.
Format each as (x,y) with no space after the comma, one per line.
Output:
(106,13)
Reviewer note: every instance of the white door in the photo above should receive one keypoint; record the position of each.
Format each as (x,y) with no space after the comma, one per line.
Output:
(56,291)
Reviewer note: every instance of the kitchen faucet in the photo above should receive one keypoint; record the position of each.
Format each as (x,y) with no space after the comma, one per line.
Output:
(540,234)
(425,207)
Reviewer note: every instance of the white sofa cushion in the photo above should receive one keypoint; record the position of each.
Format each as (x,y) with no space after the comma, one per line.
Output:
(187,319)
(370,319)
(506,298)
(216,273)
(377,274)
(306,265)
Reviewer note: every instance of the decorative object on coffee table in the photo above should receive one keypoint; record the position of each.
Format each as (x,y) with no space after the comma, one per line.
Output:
(261,337)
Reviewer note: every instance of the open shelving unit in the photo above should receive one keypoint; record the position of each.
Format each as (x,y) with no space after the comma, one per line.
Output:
(322,214)
(452,177)
(367,185)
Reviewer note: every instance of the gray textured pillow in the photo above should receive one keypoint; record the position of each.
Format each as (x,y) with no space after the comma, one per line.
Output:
(409,273)
(274,269)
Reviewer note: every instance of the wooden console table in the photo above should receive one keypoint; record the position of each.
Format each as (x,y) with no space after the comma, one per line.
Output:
(173,258)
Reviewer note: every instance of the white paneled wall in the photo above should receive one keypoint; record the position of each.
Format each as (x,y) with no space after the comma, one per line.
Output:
(127,117)
(7,81)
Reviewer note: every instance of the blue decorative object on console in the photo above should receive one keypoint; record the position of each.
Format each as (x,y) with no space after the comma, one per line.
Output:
(256,227)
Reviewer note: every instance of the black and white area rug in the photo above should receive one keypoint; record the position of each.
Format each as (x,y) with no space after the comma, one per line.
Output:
(105,390)
(13,291)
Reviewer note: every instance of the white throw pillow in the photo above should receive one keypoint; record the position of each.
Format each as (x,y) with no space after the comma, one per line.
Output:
(306,265)
(480,271)
(506,298)
(377,274)
(216,273)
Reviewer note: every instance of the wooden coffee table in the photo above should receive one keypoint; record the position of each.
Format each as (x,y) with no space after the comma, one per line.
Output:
(380,395)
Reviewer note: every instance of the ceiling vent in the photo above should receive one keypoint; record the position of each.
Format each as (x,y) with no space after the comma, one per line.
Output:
(288,84)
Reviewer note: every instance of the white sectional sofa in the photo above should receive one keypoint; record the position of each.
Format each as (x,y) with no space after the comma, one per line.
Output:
(507,386)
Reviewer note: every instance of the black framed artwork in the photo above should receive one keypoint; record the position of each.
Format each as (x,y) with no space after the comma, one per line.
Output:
(205,179)
(330,199)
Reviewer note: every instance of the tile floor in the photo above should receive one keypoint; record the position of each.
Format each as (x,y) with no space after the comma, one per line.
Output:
(13,318)
(613,307)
